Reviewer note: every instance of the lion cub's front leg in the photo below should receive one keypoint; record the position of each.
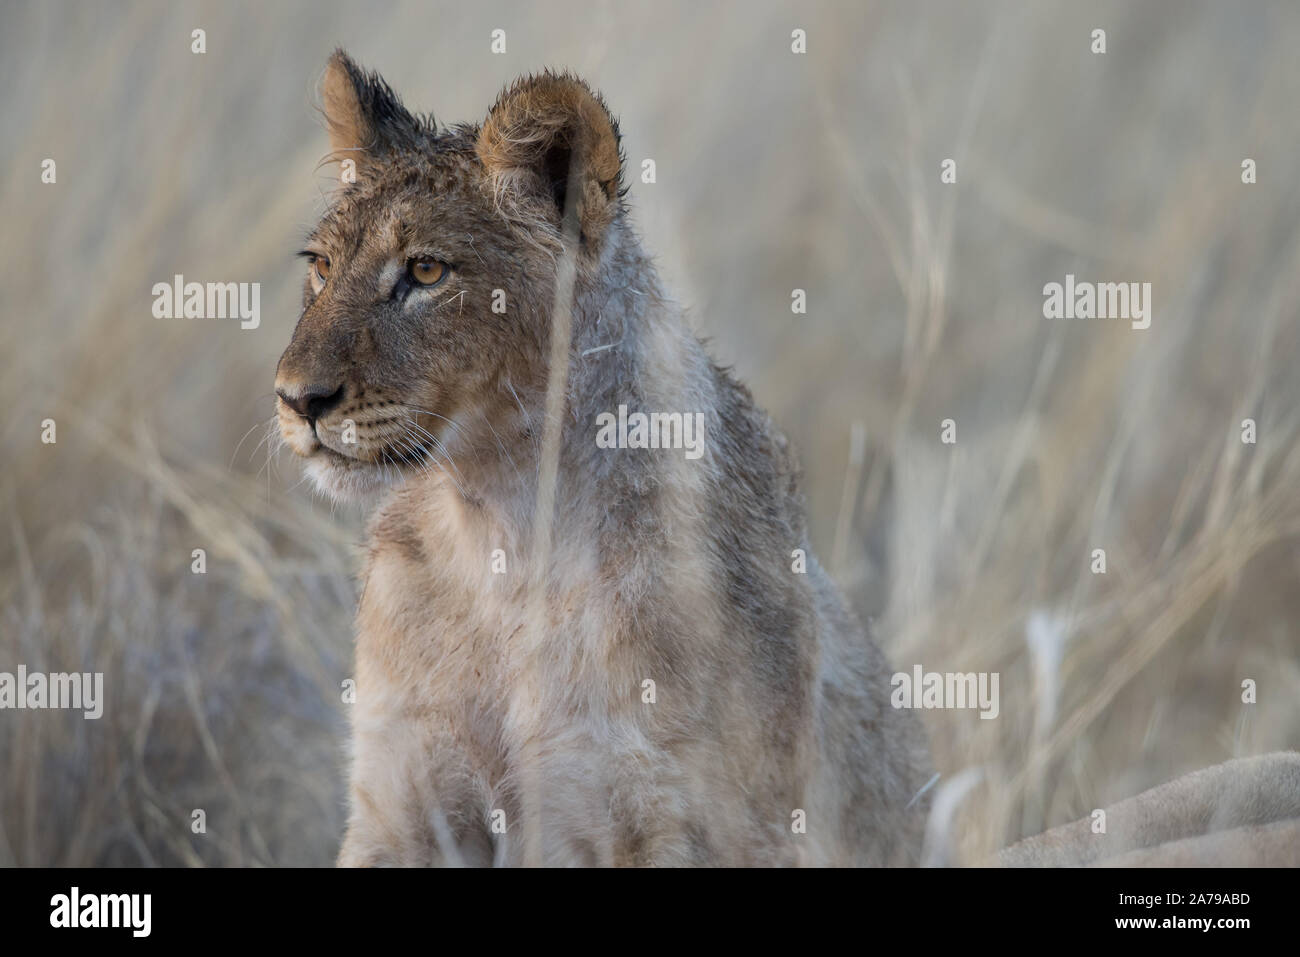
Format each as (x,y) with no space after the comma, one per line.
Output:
(415,799)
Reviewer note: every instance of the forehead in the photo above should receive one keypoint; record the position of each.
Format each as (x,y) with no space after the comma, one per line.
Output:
(394,201)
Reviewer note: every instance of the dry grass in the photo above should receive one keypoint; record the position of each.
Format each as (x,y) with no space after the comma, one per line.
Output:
(774,172)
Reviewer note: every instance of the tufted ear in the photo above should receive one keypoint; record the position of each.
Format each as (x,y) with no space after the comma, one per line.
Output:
(365,118)
(549,138)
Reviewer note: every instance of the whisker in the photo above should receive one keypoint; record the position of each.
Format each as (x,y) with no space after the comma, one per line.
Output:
(433,438)
(266,466)
(432,459)
(384,465)
(524,412)
(440,447)
(271,432)
(500,444)
(410,452)
(241,442)
(454,424)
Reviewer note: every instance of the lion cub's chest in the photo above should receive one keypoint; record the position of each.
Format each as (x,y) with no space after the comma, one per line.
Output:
(451,629)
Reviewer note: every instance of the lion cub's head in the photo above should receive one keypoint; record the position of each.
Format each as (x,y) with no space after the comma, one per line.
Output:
(430,279)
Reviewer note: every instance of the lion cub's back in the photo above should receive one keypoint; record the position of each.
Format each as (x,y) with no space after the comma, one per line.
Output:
(873,759)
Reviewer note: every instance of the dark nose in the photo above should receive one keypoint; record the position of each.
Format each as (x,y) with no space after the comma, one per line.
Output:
(313,401)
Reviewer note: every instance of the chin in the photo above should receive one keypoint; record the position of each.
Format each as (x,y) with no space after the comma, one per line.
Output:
(350,482)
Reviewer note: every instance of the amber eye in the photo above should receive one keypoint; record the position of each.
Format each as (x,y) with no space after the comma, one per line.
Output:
(321,266)
(427,272)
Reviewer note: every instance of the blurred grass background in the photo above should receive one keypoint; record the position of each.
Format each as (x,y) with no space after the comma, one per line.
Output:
(774,172)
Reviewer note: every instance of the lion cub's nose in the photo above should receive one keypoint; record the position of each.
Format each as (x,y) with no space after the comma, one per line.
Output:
(311,402)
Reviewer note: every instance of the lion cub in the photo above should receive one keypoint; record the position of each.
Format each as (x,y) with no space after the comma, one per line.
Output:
(582,637)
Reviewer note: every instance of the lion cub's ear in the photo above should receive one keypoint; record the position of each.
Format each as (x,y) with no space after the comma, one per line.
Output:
(549,137)
(366,120)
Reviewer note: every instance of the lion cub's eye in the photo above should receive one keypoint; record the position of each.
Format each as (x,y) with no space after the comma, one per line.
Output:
(427,272)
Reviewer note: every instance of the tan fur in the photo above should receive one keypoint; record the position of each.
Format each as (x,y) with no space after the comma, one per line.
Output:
(342,110)
(515,699)
(522,693)
(1241,813)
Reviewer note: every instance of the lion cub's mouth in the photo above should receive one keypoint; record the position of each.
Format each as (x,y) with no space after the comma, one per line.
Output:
(407,456)
(348,461)
(369,442)
(349,478)
(393,443)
